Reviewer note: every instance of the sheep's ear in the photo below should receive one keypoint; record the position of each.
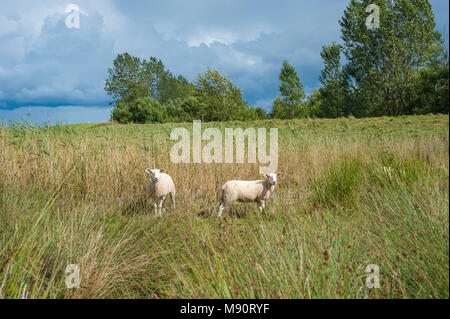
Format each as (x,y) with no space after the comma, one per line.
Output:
(162,170)
(265,175)
(279,173)
(148,170)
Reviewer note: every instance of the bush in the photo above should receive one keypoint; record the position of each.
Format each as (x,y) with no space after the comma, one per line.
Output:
(338,184)
(141,110)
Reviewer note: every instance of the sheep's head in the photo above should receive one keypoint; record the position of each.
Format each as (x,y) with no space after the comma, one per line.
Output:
(155,174)
(272,178)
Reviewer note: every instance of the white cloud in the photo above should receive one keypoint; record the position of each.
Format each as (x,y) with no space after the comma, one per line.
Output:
(58,65)
(8,26)
(223,36)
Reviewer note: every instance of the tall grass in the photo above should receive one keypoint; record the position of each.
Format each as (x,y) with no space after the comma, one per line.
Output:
(354,192)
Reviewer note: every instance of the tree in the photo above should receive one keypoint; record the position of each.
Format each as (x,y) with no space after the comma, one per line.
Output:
(384,63)
(335,88)
(176,111)
(313,105)
(261,113)
(171,87)
(134,91)
(431,90)
(279,109)
(160,83)
(221,100)
(144,91)
(131,80)
(291,91)
(126,70)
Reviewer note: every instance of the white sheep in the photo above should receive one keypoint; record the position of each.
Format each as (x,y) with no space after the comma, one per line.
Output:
(159,186)
(248,191)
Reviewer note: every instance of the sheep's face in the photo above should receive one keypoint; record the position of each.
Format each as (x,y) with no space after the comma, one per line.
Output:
(155,174)
(272,178)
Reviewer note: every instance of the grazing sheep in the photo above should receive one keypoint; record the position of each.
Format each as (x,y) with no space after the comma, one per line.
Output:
(248,191)
(159,186)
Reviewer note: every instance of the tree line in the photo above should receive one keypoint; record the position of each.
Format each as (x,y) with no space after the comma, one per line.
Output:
(145,92)
(399,68)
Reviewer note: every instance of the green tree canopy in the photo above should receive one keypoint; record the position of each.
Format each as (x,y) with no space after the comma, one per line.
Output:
(140,110)
(219,98)
(335,90)
(384,62)
(291,94)
(150,76)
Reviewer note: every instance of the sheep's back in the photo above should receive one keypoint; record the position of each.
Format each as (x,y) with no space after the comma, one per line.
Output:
(242,190)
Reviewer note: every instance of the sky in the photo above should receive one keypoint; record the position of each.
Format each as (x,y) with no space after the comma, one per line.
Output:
(49,72)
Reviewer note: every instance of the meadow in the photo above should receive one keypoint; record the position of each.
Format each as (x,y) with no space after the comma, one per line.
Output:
(354,192)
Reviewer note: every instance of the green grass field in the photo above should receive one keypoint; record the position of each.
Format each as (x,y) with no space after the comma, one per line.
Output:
(354,192)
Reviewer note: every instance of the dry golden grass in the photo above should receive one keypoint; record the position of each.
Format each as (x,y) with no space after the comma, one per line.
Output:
(76,195)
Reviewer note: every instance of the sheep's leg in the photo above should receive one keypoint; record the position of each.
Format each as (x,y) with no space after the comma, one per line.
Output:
(262,204)
(221,207)
(172,196)
(156,208)
(161,204)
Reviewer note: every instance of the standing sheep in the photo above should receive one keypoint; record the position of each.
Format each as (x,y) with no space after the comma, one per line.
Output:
(248,191)
(159,186)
